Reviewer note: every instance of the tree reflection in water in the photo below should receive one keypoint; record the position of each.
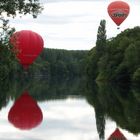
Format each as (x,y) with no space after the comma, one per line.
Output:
(120,104)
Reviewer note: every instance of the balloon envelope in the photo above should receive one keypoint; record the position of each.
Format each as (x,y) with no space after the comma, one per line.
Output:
(28,45)
(118,11)
(25,114)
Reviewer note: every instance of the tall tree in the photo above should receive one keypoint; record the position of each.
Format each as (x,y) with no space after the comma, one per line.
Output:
(101,38)
(96,52)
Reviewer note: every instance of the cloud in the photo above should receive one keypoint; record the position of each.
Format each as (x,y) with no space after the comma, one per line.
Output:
(55,1)
(73,24)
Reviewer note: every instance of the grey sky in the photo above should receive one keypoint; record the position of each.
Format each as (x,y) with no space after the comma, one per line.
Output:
(73,24)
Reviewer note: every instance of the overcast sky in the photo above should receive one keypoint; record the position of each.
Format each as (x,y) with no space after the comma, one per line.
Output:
(73,24)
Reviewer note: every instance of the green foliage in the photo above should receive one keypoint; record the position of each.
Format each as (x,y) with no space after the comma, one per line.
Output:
(136,76)
(7,58)
(101,38)
(40,88)
(60,63)
(91,67)
(132,56)
(14,7)
(95,53)
(120,59)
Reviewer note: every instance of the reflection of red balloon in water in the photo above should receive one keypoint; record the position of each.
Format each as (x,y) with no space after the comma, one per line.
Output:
(117,135)
(28,46)
(25,114)
(118,11)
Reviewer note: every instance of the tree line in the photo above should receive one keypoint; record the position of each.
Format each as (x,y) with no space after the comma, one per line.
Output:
(113,60)
(116,59)
(55,63)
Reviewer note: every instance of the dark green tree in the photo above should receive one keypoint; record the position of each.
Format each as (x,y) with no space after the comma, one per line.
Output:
(101,38)
(116,59)
(14,7)
(136,76)
(96,52)
(6,56)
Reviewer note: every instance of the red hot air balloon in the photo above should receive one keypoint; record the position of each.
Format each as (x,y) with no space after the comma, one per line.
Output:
(117,135)
(28,45)
(25,114)
(118,11)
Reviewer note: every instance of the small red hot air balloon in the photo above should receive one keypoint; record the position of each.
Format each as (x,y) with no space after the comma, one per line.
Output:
(118,11)
(25,114)
(28,45)
(117,135)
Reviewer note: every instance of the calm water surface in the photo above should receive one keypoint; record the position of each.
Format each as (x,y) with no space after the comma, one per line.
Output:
(71,110)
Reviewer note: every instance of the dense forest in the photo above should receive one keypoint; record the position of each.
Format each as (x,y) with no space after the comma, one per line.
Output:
(113,60)
(64,62)
(55,63)
(116,59)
